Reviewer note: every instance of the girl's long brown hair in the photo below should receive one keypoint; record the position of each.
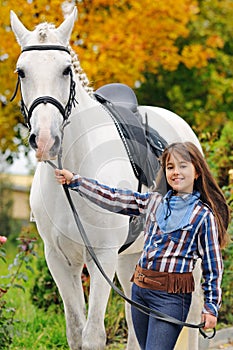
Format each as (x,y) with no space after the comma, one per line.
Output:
(211,193)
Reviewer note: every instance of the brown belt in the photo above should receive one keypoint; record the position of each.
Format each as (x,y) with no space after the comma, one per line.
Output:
(164,281)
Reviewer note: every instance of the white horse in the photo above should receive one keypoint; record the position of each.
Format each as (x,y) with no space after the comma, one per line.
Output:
(91,146)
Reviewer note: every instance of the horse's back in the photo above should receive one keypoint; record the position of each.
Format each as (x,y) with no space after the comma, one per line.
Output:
(169,125)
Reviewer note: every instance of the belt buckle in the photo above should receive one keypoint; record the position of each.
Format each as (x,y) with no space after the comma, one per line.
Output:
(141,277)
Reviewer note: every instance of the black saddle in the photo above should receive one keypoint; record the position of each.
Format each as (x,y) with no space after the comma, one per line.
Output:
(143,144)
(118,94)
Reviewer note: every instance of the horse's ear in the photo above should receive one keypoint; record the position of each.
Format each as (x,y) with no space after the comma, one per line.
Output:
(65,29)
(20,31)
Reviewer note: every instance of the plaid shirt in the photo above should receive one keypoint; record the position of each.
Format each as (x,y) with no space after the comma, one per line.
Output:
(171,252)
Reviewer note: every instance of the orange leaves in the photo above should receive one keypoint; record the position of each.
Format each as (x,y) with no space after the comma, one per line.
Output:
(128,38)
(117,41)
(196,55)
(215,41)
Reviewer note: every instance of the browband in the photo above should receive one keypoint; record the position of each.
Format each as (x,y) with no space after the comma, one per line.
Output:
(45,47)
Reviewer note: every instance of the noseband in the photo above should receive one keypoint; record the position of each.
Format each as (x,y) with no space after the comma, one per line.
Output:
(65,111)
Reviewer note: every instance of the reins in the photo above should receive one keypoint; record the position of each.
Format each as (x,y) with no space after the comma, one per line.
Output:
(65,111)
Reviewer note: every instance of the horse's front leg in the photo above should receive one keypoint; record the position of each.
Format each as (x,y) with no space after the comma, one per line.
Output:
(94,334)
(67,276)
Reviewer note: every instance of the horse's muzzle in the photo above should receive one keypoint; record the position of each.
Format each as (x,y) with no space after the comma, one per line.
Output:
(45,148)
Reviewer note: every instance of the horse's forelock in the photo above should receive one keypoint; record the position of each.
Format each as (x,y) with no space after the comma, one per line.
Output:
(44,31)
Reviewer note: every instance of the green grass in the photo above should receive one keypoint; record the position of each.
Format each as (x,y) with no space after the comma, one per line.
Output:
(38,331)
(41,330)
(33,328)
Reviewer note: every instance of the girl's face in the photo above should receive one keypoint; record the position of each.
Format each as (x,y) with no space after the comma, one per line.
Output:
(180,173)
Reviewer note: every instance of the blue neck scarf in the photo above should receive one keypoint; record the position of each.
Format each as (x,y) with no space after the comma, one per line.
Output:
(174,212)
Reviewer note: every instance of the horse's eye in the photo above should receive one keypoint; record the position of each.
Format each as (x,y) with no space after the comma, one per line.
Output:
(67,71)
(20,72)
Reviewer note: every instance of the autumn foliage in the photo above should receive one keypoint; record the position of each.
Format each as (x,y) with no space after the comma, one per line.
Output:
(117,41)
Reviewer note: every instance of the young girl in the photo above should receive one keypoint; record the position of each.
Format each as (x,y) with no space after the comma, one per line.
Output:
(188,222)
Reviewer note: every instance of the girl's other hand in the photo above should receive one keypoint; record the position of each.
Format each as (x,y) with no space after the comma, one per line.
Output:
(210,321)
(63,176)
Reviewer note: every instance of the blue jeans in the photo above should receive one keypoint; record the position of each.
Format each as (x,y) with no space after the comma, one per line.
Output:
(154,334)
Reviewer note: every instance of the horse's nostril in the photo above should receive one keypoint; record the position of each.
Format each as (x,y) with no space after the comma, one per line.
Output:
(54,149)
(32,141)
(57,142)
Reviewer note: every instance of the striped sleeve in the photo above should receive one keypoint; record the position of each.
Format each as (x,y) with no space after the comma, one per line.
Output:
(212,264)
(119,201)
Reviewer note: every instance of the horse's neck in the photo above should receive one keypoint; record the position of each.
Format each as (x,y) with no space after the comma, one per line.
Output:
(83,97)
(77,143)
(91,135)
(92,144)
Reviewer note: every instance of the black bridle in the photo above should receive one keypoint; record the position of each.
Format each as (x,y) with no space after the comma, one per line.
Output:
(65,111)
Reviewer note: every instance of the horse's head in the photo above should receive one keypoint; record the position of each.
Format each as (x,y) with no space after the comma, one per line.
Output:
(45,75)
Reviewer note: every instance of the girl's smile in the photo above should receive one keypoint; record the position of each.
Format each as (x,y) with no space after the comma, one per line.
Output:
(180,173)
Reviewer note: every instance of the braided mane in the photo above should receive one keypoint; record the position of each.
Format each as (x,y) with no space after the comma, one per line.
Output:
(80,72)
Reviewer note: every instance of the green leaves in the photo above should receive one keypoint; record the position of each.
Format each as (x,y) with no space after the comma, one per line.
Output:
(14,279)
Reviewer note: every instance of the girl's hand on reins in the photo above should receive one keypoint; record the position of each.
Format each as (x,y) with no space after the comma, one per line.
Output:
(210,321)
(63,176)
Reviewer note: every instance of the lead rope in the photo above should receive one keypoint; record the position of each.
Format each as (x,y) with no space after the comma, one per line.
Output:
(156,314)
